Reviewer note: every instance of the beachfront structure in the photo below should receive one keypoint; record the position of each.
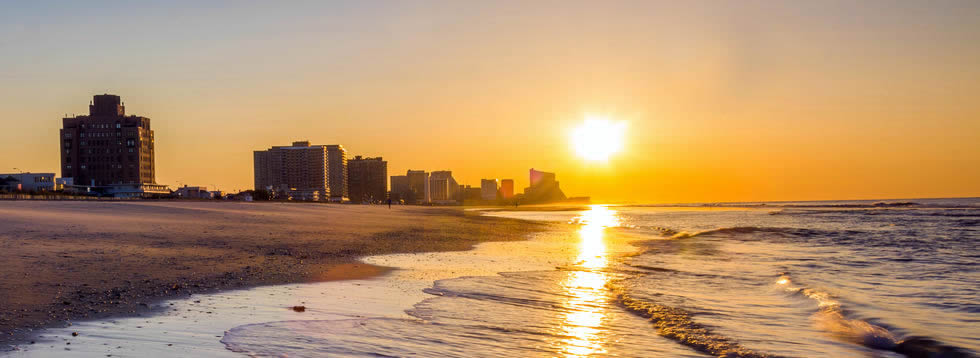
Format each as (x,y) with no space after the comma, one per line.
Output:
(488,189)
(28,182)
(443,188)
(367,179)
(108,151)
(507,188)
(471,194)
(401,191)
(193,192)
(418,183)
(544,188)
(337,160)
(300,166)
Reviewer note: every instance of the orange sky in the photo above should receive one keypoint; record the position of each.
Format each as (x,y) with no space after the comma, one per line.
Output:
(733,101)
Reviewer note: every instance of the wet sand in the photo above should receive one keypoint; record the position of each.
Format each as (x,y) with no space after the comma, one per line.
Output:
(65,261)
(261,321)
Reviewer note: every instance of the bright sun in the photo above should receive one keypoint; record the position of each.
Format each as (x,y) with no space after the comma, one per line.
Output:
(598,138)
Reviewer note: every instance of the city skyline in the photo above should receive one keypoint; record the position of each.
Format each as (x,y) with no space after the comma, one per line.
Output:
(864,101)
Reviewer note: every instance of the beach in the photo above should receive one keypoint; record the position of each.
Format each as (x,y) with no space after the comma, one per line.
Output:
(789,279)
(65,261)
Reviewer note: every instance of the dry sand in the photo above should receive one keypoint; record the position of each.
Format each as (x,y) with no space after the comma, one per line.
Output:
(63,261)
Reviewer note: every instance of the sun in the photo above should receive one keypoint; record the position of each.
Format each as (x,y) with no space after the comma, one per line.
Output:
(598,138)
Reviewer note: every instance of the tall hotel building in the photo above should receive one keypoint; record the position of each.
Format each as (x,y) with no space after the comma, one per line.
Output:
(367,179)
(300,166)
(442,186)
(337,159)
(303,167)
(488,189)
(109,152)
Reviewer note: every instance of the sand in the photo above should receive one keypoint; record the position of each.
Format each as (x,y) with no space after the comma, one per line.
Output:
(64,261)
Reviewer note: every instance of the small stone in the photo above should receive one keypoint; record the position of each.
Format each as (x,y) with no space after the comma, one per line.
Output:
(299,308)
(74,334)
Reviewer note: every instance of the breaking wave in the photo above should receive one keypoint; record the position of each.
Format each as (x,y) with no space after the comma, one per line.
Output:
(831,318)
(738,230)
(676,324)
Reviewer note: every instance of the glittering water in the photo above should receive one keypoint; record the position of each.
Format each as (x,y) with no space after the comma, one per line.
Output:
(790,279)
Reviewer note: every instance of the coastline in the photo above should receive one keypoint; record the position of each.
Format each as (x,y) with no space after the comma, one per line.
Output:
(70,261)
(261,321)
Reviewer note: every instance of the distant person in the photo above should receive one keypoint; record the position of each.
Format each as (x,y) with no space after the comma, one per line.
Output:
(389,203)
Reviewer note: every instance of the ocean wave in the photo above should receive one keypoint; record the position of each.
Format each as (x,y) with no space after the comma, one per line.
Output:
(832,319)
(676,324)
(782,231)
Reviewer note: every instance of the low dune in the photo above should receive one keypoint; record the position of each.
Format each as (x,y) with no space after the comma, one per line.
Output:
(70,260)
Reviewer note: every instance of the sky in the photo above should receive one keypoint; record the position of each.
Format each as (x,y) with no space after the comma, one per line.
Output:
(723,100)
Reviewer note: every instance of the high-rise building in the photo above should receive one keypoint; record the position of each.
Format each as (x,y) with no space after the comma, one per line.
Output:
(367,179)
(472,194)
(544,188)
(442,186)
(401,190)
(507,188)
(337,159)
(488,189)
(301,166)
(108,151)
(418,183)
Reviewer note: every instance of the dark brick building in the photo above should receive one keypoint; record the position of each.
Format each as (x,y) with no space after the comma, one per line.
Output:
(107,147)
(367,179)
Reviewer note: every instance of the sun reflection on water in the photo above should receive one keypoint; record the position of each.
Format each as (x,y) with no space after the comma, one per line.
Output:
(582,324)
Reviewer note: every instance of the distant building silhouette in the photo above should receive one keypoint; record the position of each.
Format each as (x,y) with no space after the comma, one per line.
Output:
(418,183)
(337,160)
(443,187)
(488,189)
(301,167)
(109,152)
(471,194)
(401,190)
(507,188)
(544,188)
(367,179)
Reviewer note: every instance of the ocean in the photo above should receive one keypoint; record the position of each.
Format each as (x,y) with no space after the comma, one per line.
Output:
(802,279)
(791,279)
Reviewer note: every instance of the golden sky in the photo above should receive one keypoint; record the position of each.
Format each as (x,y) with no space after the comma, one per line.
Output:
(725,101)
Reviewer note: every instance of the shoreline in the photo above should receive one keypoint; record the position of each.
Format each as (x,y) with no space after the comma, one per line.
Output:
(66,280)
(218,324)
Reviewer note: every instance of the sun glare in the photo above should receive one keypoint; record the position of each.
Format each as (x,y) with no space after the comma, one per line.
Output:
(598,138)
